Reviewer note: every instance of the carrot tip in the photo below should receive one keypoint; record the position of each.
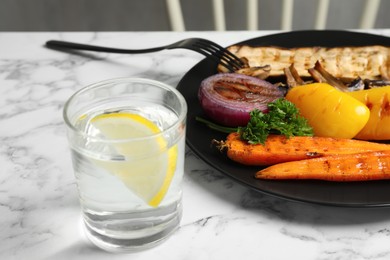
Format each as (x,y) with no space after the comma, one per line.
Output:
(221,145)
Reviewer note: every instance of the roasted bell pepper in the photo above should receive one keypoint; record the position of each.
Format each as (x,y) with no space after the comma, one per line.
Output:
(330,112)
(378,102)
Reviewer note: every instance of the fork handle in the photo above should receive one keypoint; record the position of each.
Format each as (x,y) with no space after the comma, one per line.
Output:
(54,44)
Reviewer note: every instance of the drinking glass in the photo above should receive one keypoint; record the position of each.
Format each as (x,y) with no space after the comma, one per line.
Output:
(127,142)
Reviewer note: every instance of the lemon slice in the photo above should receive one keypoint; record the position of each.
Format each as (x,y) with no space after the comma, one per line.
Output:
(148,167)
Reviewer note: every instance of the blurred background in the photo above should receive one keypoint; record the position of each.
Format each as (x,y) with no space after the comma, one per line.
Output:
(151,15)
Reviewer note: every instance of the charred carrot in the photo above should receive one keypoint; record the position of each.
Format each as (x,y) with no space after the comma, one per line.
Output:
(346,167)
(278,148)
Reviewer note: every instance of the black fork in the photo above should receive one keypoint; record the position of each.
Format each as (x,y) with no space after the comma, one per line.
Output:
(208,48)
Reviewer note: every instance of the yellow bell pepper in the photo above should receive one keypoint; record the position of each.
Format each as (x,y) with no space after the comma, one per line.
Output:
(378,101)
(330,112)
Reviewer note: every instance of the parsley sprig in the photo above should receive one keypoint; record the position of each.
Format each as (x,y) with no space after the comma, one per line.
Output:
(282,118)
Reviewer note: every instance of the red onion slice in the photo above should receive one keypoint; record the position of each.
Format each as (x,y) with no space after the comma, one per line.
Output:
(228,98)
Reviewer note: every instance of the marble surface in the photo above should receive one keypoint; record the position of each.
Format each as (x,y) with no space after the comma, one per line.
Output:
(39,210)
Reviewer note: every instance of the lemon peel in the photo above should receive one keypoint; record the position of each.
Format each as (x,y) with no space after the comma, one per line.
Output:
(148,167)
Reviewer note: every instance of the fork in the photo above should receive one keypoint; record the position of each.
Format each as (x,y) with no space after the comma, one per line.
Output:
(208,48)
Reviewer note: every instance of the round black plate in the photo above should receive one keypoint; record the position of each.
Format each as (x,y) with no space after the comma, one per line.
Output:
(199,137)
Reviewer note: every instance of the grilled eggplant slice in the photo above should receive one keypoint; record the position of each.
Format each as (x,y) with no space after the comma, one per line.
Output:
(366,62)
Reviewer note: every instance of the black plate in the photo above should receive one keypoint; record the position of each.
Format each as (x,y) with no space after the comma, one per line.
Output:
(199,137)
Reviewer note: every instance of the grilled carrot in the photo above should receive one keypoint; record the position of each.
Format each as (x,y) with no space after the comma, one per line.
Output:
(278,148)
(346,167)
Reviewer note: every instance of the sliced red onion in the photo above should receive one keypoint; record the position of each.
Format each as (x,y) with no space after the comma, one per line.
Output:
(228,98)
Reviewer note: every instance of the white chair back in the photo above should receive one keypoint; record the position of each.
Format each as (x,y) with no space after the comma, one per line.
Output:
(370,11)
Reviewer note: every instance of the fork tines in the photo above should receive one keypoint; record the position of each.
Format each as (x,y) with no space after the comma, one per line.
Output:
(219,54)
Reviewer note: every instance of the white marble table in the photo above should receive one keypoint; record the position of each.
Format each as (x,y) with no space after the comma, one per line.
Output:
(39,211)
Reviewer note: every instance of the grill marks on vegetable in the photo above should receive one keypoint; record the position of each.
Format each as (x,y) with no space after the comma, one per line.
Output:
(228,98)
(385,107)
(365,166)
(368,62)
(384,110)
(278,148)
(377,100)
(346,68)
(243,91)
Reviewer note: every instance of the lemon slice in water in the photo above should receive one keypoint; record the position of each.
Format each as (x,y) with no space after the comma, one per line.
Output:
(148,167)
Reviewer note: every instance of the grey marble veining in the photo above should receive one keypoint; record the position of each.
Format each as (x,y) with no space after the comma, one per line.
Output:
(39,210)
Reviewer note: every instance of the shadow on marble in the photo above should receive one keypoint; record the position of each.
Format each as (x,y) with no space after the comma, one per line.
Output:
(79,248)
(216,184)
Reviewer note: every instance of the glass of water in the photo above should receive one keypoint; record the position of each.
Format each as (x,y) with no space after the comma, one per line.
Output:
(127,140)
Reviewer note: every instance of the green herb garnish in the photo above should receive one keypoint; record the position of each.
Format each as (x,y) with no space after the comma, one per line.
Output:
(223,129)
(282,118)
